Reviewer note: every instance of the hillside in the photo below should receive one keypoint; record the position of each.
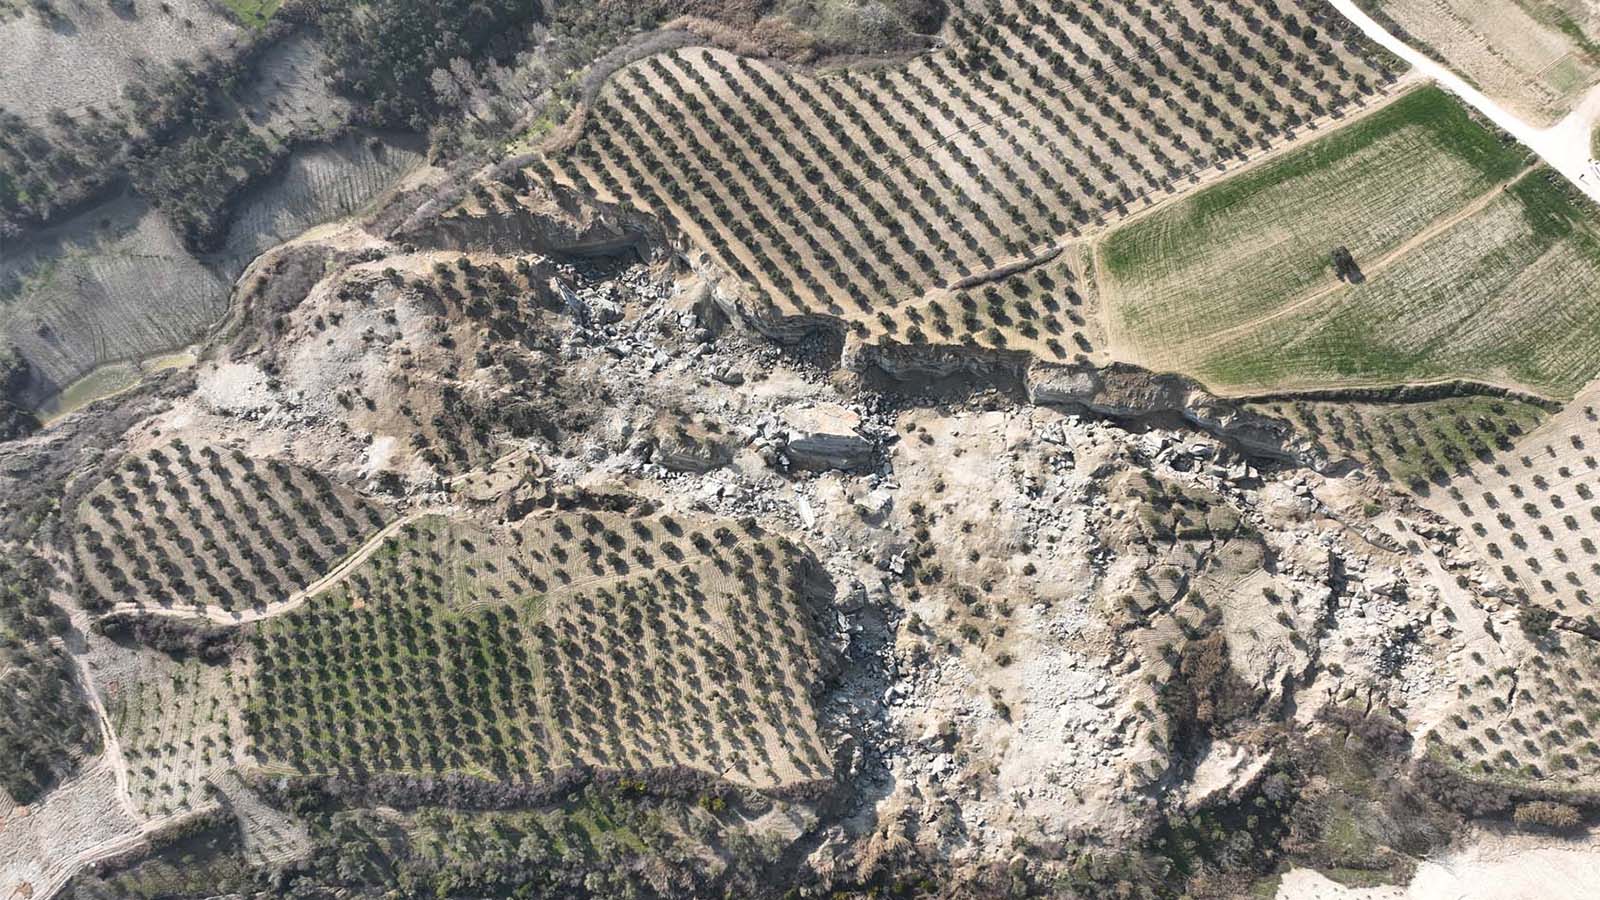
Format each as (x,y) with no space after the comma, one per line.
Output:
(798,449)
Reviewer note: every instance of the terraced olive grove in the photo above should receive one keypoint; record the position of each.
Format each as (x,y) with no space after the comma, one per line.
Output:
(857,194)
(1531,513)
(1416,445)
(1530,724)
(619,641)
(183,526)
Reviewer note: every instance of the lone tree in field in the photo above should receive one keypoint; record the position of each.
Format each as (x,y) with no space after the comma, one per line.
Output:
(1344,266)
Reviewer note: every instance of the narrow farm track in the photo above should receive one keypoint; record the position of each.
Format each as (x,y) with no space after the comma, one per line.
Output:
(294,600)
(1564,146)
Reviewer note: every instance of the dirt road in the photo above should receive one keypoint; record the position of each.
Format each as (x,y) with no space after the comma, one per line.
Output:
(294,600)
(1564,146)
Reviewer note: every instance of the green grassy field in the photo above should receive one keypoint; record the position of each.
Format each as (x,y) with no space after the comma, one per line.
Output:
(1462,279)
(253,13)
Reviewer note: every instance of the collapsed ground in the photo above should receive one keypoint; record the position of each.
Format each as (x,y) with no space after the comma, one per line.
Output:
(985,625)
(496,545)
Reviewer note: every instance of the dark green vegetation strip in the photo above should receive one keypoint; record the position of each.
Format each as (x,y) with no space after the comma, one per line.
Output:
(45,727)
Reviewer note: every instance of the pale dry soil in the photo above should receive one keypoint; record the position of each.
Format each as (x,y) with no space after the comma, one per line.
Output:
(1487,866)
(1514,51)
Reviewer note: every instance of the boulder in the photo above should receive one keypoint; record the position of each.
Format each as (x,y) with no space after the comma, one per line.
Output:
(826,436)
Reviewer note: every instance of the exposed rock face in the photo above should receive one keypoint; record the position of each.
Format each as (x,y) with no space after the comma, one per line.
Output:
(1123,391)
(1115,390)
(827,437)
(521,216)
(909,363)
(688,446)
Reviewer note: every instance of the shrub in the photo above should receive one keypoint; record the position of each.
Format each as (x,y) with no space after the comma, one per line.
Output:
(1546,814)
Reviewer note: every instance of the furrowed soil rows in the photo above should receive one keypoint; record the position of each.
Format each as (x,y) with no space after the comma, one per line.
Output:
(318,184)
(1536,56)
(178,724)
(1509,295)
(855,194)
(114,287)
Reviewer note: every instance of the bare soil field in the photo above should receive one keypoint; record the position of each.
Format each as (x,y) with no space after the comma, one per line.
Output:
(42,846)
(960,171)
(117,284)
(291,92)
(1538,57)
(1489,865)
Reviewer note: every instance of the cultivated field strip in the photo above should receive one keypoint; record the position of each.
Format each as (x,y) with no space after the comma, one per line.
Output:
(317,184)
(626,642)
(213,527)
(855,194)
(178,724)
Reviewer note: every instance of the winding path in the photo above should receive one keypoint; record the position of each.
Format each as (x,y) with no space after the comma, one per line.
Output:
(1565,146)
(291,602)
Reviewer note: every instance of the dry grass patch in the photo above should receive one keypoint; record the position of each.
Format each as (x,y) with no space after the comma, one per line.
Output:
(1536,56)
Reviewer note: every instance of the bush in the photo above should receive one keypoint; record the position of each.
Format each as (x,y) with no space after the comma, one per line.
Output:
(1546,814)
(1536,621)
